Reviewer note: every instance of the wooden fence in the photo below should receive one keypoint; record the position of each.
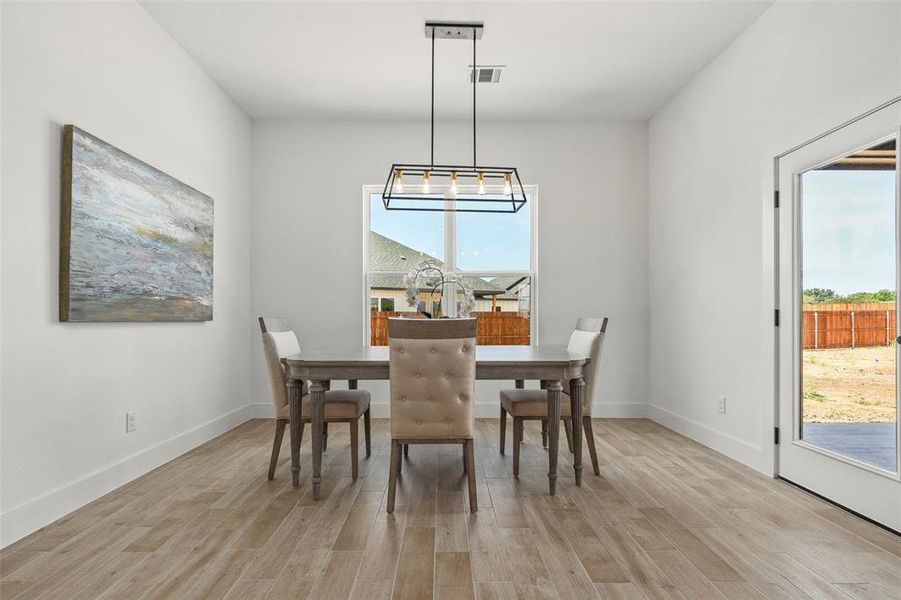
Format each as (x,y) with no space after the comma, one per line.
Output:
(847,325)
(492,328)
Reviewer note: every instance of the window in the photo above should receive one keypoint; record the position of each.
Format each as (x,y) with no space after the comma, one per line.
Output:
(495,252)
(381,304)
(848,265)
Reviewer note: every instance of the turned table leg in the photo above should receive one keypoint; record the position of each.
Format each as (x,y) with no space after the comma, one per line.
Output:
(317,398)
(295,389)
(576,391)
(554,391)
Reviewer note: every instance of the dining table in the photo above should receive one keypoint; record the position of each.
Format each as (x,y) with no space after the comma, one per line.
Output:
(555,366)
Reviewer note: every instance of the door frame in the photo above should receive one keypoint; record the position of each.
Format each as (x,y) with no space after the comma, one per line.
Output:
(789,201)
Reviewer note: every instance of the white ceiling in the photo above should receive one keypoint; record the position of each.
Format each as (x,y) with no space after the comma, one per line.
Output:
(370,59)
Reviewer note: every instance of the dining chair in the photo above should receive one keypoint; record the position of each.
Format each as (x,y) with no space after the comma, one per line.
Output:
(341,406)
(432,371)
(587,339)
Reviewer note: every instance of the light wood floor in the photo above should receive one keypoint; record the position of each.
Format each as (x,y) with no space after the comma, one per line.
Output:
(668,518)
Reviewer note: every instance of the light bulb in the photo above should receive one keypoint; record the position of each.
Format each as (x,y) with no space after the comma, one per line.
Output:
(399,181)
(508,189)
(453,187)
(426,188)
(481,183)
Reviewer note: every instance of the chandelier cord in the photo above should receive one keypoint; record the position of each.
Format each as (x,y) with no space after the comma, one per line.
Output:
(475,73)
(432,159)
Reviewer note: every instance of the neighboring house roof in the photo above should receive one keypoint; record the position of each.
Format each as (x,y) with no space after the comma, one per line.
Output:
(511,283)
(386,254)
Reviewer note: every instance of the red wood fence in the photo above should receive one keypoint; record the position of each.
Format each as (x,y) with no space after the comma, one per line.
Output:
(848,325)
(492,328)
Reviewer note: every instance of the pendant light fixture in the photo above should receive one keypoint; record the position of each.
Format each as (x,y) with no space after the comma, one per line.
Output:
(453,188)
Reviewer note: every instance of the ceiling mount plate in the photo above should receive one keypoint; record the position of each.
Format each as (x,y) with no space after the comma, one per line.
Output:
(459,30)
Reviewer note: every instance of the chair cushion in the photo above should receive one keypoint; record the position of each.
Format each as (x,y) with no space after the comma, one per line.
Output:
(588,343)
(532,403)
(339,404)
(285,343)
(582,342)
(432,387)
(276,346)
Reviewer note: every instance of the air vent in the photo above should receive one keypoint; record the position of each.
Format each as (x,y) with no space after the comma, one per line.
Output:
(486,73)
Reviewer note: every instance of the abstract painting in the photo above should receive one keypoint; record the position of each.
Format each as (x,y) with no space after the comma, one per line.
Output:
(135,243)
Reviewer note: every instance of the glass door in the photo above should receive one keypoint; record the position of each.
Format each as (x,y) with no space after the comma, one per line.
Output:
(839,344)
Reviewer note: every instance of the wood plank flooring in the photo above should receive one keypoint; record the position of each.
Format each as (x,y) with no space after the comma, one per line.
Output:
(667,518)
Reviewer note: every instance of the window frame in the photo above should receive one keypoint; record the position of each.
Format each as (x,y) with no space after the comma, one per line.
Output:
(450,257)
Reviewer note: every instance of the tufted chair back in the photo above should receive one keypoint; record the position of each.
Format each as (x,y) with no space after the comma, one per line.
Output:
(432,372)
(279,341)
(587,339)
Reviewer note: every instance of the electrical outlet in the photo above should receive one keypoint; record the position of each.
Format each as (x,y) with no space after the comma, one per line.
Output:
(131,421)
(721,404)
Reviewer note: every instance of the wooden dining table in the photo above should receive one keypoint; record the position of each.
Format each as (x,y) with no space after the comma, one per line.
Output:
(551,364)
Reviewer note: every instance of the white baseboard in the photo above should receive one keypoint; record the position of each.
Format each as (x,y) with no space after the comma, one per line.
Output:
(487,410)
(26,518)
(620,410)
(736,449)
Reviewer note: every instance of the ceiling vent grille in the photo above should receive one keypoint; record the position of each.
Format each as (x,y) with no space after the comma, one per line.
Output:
(486,74)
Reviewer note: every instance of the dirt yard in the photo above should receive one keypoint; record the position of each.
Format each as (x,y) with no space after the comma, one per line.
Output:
(851,386)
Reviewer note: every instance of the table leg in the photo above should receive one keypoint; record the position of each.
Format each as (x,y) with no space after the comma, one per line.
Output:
(576,391)
(317,398)
(554,391)
(295,391)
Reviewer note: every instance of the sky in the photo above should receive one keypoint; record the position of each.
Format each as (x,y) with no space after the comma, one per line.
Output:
(484,241)
(848,230)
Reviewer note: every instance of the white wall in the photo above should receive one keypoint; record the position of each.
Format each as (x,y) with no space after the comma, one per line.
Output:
(110,69)
(592,231)
(800,69)
(1,265)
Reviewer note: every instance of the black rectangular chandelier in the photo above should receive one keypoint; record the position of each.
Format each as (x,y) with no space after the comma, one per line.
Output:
(453,188)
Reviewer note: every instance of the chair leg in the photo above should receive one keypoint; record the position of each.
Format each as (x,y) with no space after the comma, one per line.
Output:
(544,432)
(367,429)
(392,475)
(503,430)
(589,436)
(354,448)
(568,426)
(324,436)
(469,460)
(400,459)
(276,445)
(517,438)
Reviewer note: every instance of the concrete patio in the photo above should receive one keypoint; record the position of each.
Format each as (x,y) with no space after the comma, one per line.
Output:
(872,443)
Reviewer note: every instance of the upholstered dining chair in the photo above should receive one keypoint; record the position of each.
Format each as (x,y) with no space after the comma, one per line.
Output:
(587,339)
(432,371)
(341,406)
